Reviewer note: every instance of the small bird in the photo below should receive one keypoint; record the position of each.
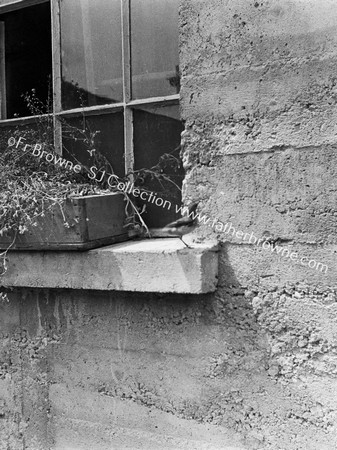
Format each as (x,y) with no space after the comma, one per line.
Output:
(183,226)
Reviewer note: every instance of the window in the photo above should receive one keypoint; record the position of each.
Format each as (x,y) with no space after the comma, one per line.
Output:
(113,64)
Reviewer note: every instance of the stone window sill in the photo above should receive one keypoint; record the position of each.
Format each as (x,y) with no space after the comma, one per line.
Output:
(156,265)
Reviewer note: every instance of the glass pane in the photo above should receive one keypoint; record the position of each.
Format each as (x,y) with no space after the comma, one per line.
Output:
(28,63)
(154,48)
(91,52)
(158,167)
(96,141)
(18,159)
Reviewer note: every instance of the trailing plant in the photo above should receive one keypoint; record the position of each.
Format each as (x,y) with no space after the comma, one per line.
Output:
(164,172)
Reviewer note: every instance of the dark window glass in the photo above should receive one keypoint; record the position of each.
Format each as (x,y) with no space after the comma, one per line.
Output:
(28,62)
(157,147)
(86,140)
(91,52)
(154,48)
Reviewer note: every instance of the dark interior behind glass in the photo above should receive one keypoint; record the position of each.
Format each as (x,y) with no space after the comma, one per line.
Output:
(28,56)
(157,143)
(107,131)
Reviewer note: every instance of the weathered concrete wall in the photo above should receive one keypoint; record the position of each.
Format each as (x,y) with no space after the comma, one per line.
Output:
(254,365)
(100,371)
(259,100)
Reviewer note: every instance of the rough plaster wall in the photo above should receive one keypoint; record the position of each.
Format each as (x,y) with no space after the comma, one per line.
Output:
(259,103)
(238,370)
(94,371)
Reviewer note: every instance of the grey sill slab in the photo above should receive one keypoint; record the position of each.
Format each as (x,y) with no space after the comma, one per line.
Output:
(152,265)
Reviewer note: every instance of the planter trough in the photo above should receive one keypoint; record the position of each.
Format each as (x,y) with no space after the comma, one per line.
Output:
(94,221)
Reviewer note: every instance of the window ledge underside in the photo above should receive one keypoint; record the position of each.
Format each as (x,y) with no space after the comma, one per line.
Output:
(156,265)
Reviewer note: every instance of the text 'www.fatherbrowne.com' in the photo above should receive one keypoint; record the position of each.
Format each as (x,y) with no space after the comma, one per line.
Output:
(250,238)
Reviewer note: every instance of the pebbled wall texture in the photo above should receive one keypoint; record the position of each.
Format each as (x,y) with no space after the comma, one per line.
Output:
(253,366)
(259,87)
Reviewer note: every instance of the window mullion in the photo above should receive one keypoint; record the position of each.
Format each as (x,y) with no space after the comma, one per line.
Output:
(128,115)
(3,107)
(126,54)
(56,73)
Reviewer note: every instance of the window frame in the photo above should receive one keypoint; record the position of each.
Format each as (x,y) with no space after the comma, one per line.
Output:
(127,105)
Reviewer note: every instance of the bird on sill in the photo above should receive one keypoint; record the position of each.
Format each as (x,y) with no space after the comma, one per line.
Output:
(184,225)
